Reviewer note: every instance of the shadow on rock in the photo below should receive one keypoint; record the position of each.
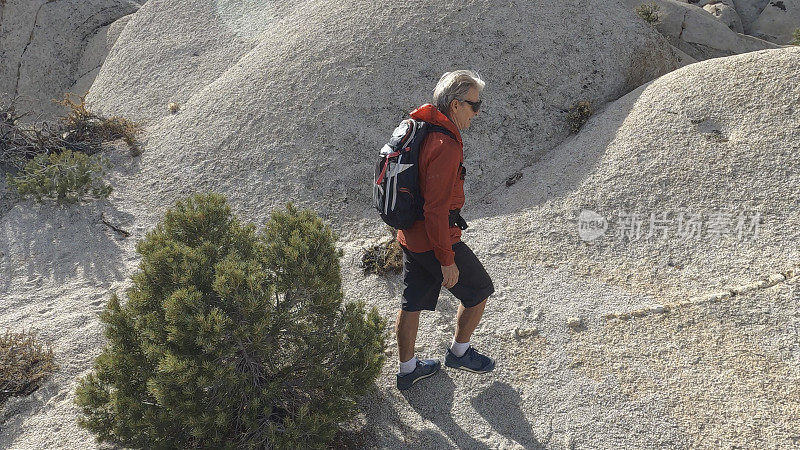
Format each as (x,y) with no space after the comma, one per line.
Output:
(16,410)
(499,404)
(59,242)
(380,426)
(433,400)
(572,157)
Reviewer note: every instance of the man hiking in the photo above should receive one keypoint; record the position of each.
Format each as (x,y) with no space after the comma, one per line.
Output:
(433,254)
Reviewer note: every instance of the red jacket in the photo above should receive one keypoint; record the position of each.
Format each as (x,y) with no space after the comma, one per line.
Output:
(440,161)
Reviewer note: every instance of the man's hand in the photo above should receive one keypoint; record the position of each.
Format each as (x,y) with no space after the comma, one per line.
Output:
(450,274)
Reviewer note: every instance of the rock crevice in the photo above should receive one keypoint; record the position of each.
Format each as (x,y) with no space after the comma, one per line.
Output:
(25,49)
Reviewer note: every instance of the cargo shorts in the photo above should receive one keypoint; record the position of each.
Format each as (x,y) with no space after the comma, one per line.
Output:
(422,277)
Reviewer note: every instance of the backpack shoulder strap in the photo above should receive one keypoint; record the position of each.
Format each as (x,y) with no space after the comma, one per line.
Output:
(440,129)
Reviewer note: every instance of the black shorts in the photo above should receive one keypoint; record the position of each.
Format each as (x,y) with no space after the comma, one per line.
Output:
(422,276)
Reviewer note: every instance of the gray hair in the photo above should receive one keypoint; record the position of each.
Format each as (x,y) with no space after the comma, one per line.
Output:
(455,85)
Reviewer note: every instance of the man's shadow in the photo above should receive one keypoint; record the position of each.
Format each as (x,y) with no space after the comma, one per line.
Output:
(499,404)
(433,400)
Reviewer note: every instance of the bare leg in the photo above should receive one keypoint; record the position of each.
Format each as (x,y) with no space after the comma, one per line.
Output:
(407,325)
(467,320)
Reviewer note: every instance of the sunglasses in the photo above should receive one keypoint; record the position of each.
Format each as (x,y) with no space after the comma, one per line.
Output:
(476,106)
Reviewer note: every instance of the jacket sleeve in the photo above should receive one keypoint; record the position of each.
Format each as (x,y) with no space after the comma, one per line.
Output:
(442,170)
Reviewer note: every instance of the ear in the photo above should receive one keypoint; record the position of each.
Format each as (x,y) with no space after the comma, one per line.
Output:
(453,102)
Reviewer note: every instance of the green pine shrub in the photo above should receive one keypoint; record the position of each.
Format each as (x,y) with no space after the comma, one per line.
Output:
(24,364)
(232,338)
(66,177)
(795,37)
(649,12)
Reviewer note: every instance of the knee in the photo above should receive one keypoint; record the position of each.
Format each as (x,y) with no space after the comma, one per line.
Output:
(480,304)
(404,316)
(407,314)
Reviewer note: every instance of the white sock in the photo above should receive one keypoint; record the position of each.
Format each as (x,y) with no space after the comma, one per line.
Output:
(459,348)
(408,366)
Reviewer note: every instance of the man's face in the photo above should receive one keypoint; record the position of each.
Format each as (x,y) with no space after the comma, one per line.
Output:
(462,112)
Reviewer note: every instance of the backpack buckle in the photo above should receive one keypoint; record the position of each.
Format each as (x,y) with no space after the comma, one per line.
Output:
(455,219)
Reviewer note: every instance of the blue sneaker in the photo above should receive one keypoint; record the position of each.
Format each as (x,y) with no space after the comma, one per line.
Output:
(424,369)
(472,361)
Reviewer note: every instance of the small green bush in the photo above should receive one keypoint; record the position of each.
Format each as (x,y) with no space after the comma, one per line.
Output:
(649,12)
(578,115)
(24,364)
(65,177)
(232,338)
(796,37)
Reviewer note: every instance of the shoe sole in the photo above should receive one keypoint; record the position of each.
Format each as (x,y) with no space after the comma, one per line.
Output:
(469,370)
(420,378)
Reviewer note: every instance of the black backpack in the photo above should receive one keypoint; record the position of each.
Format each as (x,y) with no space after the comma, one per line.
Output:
(395,191)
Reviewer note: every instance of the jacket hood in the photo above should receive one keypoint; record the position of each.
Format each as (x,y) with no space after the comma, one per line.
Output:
(430,114)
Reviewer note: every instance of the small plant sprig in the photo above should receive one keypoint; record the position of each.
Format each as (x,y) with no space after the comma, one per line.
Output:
(649,12)
(82,126)
(79,130)
(383,258)
(578,115)
(24,364)
(795,37)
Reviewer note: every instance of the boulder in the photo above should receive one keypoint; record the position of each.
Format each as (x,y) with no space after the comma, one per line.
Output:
(115,29)
(698,34)
(280,102)
(748,11)
(725,12)
(714,142)
(49,48)
(777,22)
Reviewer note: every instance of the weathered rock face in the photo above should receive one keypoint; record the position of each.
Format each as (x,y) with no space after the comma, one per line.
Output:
(48,48)
(677,145)
(777,21)
(115,29)
(281,101)
(773,21)
(726,13)
(748,11)
(698,33)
